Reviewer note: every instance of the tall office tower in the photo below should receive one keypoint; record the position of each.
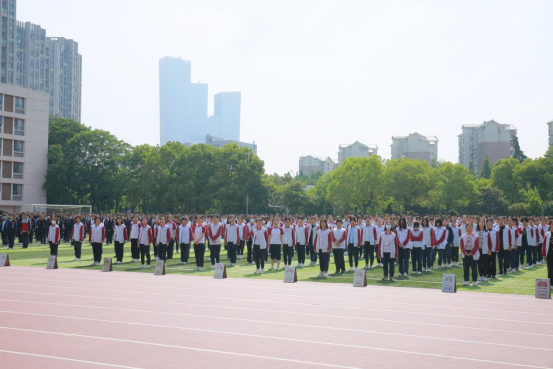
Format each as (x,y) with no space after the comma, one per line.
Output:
(30,59)
(227,109)
(198,100)
(174,99)
(489,138)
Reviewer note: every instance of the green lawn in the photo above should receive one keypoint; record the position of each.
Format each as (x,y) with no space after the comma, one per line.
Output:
(36,255)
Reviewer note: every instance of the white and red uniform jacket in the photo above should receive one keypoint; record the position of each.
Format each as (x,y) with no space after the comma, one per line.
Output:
(97,233)
(215,232)
(339,235)
(54,234)
(289,236)
(274,235)
(120,233)
(134,230)
(197,230)
(163,234)
(438,237)
(302,235)
(77,233)
(369,233)
(388,242)
(232,233)
(145,236)
(322,240)
(404,237)
(260,237)
(471,244)
(184,234)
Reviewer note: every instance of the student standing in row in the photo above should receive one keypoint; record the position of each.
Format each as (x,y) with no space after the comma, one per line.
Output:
(183,239)
(163,237)
(302,237)
(200,231)
(77,237)
(355,242)
(120,237)
(232,239)
(493,246)
(133,235)
(404,238)
(54,237)
(387,251)
(469,243)
(428,253)
(484,242)
(215,231)
(276,241)
(260,240)
(370,237)
(322,246)
(313,228)
(338,237)
(547,255)
(96,238)
(145,238)
(439,240)
(288,241)
(248,231)
(417,238)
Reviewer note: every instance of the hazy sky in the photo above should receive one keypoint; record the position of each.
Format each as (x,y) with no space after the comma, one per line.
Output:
(316,74)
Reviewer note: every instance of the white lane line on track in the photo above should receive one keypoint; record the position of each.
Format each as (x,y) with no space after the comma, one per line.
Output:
(274,337)
(293,303)
(67,359)
(283,359)
(448,326)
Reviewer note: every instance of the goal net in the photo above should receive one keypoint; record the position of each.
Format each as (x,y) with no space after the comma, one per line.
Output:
(62,209)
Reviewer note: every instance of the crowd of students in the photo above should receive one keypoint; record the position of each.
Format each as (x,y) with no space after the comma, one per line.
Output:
(488,246)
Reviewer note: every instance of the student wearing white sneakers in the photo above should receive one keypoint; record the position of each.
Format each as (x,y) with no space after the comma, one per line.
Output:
(355,242)
(200,231)
(77,236)
(379,229)
(163,237)
(133,235)
(302,236)
(368,231)
(439,240)
(338,236)
(232,239)
(322,246)
(184,238)
(417,237)
(260,240)
(119,237)
(54,237)
(387,250)
(427,259)
(470,245)
(276,241)
(404,238)
(456,242)
(215,231)
(96,239)
(145,239)
(288,241)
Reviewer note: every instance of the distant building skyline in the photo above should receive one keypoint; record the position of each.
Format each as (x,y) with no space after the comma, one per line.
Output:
(415,146)
(356,150)
(310,164)
(32,60)
(184,106)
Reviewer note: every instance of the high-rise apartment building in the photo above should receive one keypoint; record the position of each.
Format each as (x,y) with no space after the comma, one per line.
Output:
(489,138)
(356,150)
(183,107)
(550,130)
(23,147)
(30,59)
(415,146)
(310,165)
(221,142)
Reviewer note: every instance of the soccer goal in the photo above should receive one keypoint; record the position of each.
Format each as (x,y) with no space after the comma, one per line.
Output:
(62,209)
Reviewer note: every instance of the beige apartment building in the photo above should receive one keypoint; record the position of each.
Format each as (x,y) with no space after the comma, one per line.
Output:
(23,147)
(415,146)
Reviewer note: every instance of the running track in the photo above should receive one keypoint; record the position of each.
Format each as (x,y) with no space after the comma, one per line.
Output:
(68,318)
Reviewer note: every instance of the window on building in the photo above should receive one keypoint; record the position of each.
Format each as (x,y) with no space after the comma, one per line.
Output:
(19,127)
(1,101)
(17,170)
(18,148)
(20,105)
(17,192)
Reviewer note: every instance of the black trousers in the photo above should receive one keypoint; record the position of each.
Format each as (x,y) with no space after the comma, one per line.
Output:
(313,254)
(11,240)
(231,251)
(240,250)
(369,253)
(441,257)
(324,260)
(77,246)
(550,267)
(145,252)
(250,251)
(170,248)
(97,251)
(199,252)
(389,266)
(339,261)
(162,251)
(455,254)
(119,251)
(288,253)
(109,237)
(353,255)
(416,258)
(214,255)
(492,269)
(258,256)
(469,264)
(500,258)
(53,248)
(184,252)
(134,249)
(483,264)
(403,259)
(25,239)
(300,249)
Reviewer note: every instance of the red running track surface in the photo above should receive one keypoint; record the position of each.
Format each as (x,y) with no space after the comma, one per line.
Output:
(69,318)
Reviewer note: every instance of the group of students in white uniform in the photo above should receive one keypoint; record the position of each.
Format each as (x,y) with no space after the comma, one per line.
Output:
(484,243)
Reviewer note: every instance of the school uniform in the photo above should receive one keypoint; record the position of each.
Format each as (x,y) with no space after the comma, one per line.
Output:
(470,245)
(322,244)
(538,241)
(274,242)
(417,239)
(171,242)
(97,237)
(493,246)
(242,244)
(260,240)
(199,247)
(134,231)
(248,231)
(312,231)
(288,242)
(456,234)
(438,237)
(8,230)
(54,234)
(214,233)
(24,228)
(355,243)
(379,230)
(339,235)
(232,240)
(163,237)
(547,252)
(388,245)
(302,240)
(370,236)
(404,250)
(184,238)
(77,237)
(119,238)
(145,238)
(506,241)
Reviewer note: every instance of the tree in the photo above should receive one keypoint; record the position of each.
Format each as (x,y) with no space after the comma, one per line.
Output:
(518,153)
(504,179)
(456,187)
(471,167)
(486,171)
(491,201)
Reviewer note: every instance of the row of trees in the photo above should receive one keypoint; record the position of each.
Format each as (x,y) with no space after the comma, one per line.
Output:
(88,166)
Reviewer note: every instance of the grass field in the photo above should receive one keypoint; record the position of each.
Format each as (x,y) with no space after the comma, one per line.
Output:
(36,255)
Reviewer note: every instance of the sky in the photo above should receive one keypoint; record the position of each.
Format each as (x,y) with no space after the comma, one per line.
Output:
(317,74)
